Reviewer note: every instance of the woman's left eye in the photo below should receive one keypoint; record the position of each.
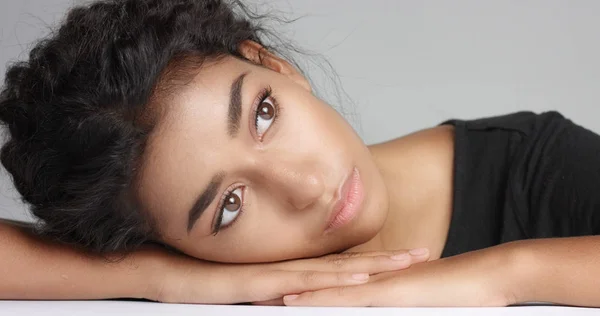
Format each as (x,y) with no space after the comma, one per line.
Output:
(265,115)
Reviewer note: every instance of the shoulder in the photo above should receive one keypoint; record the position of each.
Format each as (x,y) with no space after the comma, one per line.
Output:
(426,158)
(435,147)
(432,149)
(429,150)
(524,122)
(423,160)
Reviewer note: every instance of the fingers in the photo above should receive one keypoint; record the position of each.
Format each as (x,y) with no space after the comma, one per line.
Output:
(280,283)
(419,255)
(369,262)
(328,272)
(351,296)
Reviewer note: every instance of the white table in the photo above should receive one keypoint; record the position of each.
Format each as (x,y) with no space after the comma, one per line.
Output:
(83,308)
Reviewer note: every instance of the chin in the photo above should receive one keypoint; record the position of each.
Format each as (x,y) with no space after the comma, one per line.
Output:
(368,224)
(364,229)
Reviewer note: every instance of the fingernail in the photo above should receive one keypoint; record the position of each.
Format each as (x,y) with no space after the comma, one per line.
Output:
(290,297)
(360,276)
(419,251)
(400,257)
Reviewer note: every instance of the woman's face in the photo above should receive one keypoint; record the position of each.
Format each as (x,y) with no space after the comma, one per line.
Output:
(228,184)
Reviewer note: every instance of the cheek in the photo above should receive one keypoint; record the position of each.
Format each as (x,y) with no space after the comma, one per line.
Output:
(262,235)
(313,125)
(275,235)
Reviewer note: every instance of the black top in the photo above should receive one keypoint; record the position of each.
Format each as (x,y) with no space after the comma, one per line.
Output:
(520,176)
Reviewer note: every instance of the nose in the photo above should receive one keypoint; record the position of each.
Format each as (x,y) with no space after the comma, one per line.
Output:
(296,181)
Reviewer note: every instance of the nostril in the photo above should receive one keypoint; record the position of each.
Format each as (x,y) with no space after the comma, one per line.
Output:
(302,204)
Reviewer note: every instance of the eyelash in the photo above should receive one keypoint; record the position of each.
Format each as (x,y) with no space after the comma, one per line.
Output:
(228,192)
(264,94)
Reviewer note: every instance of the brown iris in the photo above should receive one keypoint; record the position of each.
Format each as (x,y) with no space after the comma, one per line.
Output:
(266,111)
(233,203)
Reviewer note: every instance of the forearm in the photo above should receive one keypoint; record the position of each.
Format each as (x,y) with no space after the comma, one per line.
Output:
(31,268)
(558,270)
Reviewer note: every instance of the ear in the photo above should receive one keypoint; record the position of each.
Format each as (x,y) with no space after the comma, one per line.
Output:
(257,54)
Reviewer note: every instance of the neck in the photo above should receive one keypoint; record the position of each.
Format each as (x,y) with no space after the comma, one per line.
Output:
(418,182)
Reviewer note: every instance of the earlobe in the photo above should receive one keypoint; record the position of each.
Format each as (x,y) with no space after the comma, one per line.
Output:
(257,54)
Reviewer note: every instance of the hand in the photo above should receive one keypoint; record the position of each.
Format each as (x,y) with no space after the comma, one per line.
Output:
(478,278)
(189,280)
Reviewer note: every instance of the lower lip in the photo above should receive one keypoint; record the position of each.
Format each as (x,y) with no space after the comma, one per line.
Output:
(352,203)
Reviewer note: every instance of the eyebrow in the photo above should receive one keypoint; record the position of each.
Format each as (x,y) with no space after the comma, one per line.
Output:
(235,105)
(233,126)
(204,200)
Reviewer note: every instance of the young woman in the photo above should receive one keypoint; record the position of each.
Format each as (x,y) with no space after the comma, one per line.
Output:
(172,122)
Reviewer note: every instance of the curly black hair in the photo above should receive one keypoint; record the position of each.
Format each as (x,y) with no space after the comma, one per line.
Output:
(77,109)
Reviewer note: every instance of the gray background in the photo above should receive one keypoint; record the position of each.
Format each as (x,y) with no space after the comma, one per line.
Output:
(407,65)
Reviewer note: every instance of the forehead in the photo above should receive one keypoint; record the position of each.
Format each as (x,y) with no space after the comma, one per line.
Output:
(181,154)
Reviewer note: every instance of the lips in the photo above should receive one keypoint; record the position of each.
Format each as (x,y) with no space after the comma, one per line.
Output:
(350,197)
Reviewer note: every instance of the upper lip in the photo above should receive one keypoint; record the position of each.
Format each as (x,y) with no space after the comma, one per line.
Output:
(341,193)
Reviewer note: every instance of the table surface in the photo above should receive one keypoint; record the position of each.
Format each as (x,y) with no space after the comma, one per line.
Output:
(48,308)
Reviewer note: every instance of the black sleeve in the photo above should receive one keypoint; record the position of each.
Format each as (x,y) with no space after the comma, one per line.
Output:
(560,179)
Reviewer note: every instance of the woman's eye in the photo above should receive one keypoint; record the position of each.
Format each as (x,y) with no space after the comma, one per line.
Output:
(231,207)
(265,114)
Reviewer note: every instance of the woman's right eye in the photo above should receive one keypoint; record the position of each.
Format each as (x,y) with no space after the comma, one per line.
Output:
(231,208)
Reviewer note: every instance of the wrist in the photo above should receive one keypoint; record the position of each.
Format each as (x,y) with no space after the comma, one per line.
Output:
(152,267)
(518,273)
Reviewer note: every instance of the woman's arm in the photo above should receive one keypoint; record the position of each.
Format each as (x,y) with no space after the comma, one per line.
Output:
(31,268)
(558,270)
